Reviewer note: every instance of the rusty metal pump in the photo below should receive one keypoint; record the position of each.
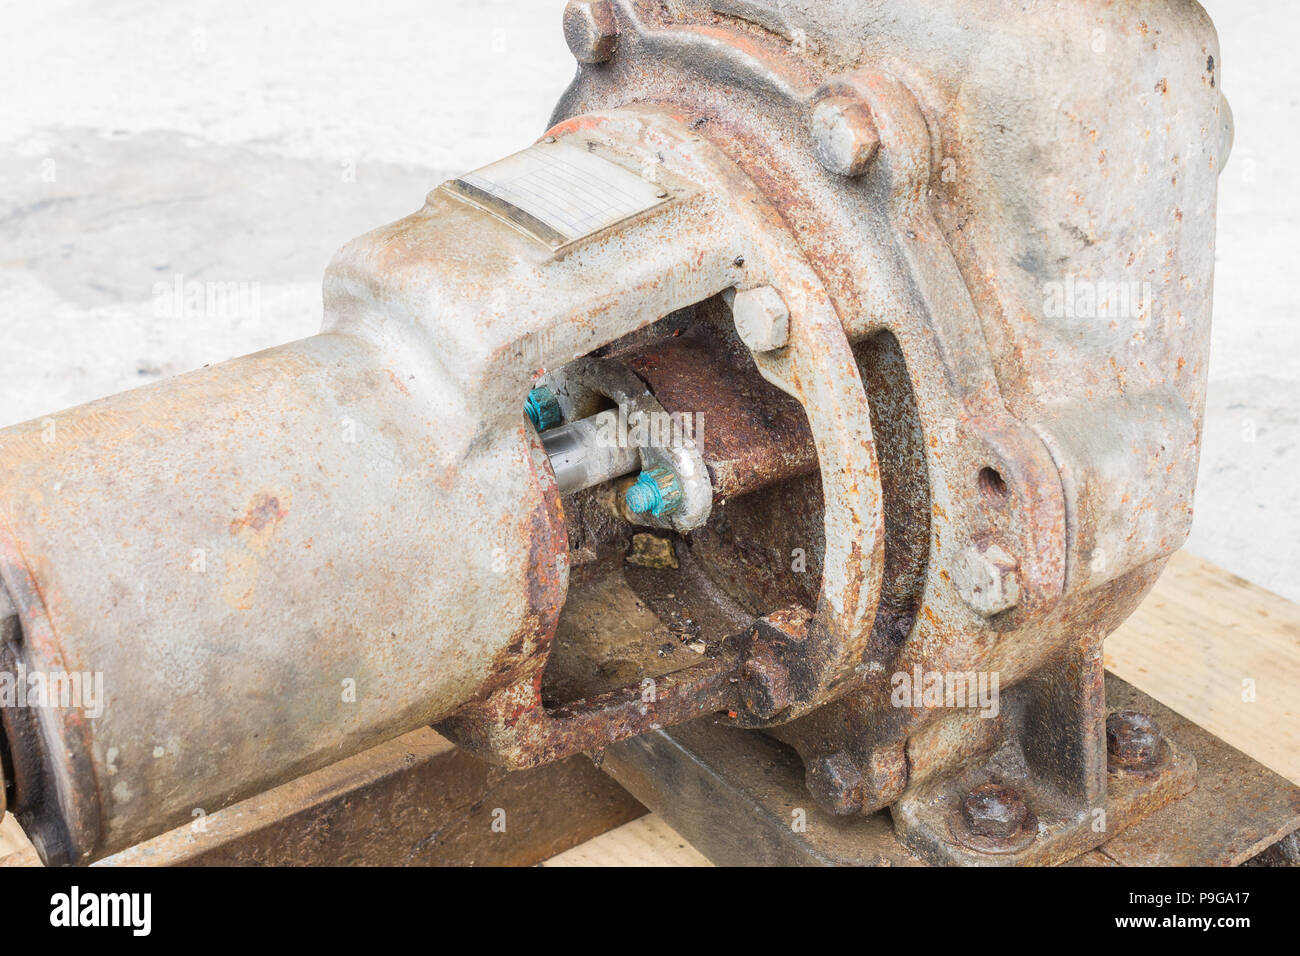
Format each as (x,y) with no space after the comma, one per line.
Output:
(813,350)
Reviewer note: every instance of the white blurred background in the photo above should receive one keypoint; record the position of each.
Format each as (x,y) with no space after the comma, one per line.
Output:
(146,142)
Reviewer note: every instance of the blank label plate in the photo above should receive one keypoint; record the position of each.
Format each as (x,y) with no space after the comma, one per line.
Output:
(559,192)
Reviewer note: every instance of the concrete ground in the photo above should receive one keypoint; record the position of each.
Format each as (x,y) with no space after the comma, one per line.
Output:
(145,143)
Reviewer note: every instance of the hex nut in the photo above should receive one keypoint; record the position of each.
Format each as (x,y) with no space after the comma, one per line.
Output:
(543,409)
(884,776)
(765,686)
(1133,741)
(986,579)
(835,782)
(762,319)
(845,137)
(655,492)
(995,812)
(591,30)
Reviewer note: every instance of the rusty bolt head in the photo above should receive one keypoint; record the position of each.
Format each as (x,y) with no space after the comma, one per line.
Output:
(884,776)
(844,135)
(994,811)
(836,783)
(986,579)
(762,320)
(1132,740)
(591,30)
(764,686)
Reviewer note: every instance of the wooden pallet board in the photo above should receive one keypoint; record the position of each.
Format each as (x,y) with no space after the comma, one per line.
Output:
(646,842)
(1197,641)
(417,800)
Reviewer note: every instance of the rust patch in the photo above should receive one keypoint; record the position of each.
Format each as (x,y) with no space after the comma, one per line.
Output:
(264,510)
(252,533)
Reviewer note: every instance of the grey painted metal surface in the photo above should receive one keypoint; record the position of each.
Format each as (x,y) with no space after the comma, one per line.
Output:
(587,453)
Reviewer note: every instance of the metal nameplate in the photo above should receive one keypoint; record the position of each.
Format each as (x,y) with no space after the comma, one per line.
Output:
(558,193)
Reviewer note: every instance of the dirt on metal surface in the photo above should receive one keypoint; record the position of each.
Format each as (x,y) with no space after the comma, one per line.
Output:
(414,801)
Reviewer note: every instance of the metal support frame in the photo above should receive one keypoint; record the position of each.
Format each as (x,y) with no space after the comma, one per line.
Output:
(740,800)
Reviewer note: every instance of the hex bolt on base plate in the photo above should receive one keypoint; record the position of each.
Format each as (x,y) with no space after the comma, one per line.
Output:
(1134,744)
(994,819)
(932,822)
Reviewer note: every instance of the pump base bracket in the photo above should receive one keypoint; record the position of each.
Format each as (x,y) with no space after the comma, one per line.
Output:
(738,797)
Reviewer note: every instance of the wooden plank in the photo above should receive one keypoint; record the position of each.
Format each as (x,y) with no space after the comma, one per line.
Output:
(644,842)
(416,801)
(15,850)
(1222,652)
(1238,809)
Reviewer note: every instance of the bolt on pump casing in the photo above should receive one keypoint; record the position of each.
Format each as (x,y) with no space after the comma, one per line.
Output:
(941,305)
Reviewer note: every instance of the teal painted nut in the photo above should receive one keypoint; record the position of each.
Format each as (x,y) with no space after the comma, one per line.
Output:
(656,492)
(543,409)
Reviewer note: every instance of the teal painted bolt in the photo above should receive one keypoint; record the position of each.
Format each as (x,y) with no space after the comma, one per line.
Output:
(642,497)
(543,409)
(655,492)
